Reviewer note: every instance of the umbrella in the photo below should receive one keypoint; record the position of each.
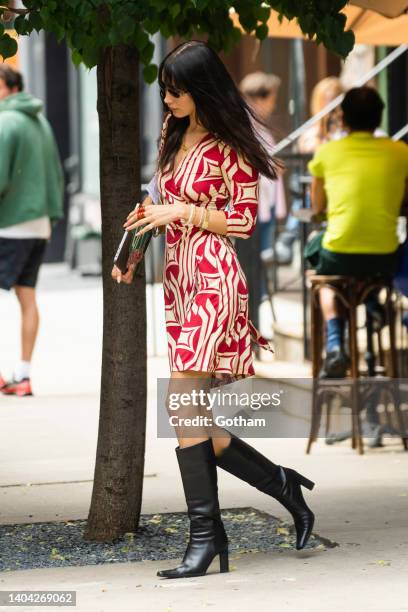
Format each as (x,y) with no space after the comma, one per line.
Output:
(385,7)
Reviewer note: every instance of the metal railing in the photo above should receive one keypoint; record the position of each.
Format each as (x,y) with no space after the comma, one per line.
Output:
(293,136)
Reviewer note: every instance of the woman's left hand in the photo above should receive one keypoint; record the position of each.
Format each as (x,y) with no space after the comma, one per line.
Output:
(155,215)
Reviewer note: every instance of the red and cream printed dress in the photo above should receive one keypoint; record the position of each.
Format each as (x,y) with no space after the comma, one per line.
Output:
(205,289)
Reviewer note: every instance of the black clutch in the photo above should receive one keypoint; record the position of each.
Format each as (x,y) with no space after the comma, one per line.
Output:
(122,254)
(132,249)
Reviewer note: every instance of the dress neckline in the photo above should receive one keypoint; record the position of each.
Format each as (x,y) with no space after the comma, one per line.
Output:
(188,154)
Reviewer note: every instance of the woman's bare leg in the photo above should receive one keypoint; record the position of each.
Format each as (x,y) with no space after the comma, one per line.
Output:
(186,382)
(220,443)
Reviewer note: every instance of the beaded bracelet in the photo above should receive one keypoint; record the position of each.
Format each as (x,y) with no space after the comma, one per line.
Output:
(190,216)
(194,214)
(201,216)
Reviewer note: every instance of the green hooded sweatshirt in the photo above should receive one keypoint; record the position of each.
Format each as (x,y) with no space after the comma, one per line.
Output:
(31,179)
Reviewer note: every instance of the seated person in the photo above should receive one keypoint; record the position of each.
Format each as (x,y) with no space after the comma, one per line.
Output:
(359,181)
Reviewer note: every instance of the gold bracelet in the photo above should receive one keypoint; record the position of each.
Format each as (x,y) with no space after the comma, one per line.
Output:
(206,220)
(201,216)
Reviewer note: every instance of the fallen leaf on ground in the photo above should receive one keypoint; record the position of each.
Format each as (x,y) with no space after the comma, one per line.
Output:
(282,531)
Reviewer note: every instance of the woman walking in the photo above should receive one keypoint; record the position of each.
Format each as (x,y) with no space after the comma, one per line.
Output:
(210,157)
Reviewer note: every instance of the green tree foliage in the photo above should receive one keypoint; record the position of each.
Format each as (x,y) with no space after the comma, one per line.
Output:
(91,26)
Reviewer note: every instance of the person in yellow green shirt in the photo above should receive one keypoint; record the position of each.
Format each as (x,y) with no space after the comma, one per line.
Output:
(360,182)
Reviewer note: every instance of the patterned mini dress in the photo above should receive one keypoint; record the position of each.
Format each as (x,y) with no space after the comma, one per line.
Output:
(205,288)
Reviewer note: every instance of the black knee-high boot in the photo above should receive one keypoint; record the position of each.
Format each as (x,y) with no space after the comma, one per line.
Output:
(207,534)
(284,484)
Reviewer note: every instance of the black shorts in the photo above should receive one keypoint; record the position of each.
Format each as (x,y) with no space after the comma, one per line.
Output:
(356,265)
(20,261)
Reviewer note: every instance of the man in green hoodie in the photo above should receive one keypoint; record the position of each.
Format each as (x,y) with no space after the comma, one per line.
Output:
(31,199)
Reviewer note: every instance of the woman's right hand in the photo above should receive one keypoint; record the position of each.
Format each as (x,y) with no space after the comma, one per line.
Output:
(127,278)
(116,274)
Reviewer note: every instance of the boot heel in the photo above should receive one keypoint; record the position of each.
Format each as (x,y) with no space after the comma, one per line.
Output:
(224,566)
(305,482)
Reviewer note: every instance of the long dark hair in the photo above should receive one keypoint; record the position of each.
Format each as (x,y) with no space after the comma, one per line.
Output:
(195,68)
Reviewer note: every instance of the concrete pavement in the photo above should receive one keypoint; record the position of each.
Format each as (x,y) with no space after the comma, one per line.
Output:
(46,465)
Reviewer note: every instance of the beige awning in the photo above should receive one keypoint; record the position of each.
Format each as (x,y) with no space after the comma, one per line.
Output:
(389,8)
(370,28)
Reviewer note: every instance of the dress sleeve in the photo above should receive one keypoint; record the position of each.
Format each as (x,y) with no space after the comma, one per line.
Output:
(242,183)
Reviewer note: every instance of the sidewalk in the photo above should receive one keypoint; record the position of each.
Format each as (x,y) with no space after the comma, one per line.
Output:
(49,441)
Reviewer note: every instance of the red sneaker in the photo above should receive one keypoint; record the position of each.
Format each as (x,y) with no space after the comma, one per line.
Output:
(2,382)
(21,389)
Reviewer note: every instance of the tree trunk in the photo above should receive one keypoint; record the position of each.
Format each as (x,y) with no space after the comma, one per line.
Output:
(118,482)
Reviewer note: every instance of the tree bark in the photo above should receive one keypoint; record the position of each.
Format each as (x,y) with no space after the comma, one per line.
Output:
(118,482)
